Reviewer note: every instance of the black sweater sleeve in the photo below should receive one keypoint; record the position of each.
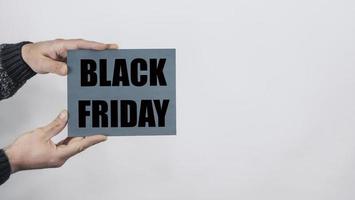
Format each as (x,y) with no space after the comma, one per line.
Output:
(14,72)
(5,168)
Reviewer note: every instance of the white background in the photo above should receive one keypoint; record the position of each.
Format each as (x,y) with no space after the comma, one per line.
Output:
(265,100)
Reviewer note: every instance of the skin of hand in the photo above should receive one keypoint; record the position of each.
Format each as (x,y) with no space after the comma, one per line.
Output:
(35,149)
(50,56)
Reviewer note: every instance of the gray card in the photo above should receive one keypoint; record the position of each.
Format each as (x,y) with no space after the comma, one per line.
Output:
(121,92)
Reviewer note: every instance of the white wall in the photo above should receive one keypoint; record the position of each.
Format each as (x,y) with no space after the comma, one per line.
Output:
(265,100)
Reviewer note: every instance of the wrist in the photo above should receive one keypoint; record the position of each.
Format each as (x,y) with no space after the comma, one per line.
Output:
(12,160)
(25,53)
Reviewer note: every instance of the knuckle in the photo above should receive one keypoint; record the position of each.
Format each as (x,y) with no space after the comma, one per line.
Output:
(80,148)
(56,162)
(58,42)
(79,40)
(60,163)
(58,67)
(55,125)
(62,52)
(40,130)
(63,65)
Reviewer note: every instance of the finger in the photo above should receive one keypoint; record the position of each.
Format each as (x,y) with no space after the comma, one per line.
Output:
(80,145)
(65,141)
(56,126)
(69,140)
(112,46)
(54,66)
(86,44)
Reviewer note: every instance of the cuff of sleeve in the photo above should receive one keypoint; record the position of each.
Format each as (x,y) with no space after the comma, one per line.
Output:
(12,61)
(5,167)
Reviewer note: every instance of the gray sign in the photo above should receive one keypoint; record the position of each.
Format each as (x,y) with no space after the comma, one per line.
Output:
(121,92)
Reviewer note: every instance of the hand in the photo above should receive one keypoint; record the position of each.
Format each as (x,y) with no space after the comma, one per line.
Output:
(35,149)
(50,56)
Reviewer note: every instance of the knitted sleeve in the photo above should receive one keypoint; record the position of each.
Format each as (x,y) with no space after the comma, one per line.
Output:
(5,168)
(14,72)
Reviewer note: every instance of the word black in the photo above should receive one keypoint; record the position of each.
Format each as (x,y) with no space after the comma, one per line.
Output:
(137,76)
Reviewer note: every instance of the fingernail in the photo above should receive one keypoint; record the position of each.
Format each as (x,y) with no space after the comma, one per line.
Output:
(63,114)
(113,46)
(64,70)
(104,137)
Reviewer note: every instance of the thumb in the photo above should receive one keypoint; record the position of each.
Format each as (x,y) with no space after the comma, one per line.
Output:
(55,67)
(56,126)
(79,145)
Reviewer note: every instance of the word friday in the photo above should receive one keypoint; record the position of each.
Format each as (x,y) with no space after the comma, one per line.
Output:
(151,113)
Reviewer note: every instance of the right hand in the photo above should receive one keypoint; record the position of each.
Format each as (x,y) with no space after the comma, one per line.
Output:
(35,149)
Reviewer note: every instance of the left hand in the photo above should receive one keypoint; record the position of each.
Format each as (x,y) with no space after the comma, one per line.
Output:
(50,56)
